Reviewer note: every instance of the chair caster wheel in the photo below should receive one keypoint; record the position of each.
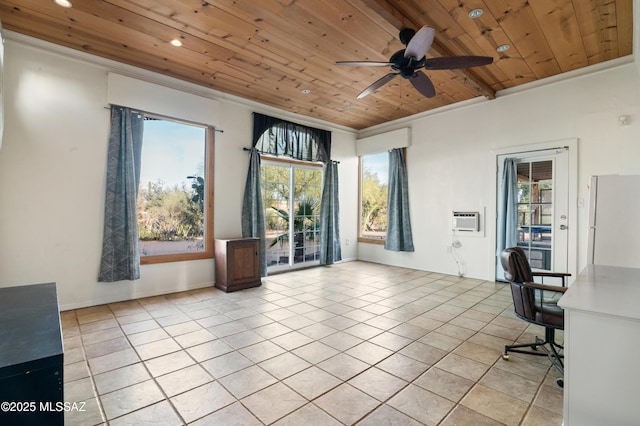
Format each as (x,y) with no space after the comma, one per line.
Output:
(535,347)
(560,383)
(505,357)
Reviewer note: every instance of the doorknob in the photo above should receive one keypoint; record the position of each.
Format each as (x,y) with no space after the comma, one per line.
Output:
(563,227)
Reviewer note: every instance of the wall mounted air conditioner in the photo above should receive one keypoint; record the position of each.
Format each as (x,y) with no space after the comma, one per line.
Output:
(466,221)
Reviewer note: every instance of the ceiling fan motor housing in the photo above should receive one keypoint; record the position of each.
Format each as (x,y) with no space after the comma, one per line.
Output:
(406,35)
(406,66)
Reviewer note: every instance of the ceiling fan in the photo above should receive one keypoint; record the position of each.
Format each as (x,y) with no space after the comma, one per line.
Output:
(407,62)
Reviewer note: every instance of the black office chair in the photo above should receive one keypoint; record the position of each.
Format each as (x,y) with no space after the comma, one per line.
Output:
(532,303)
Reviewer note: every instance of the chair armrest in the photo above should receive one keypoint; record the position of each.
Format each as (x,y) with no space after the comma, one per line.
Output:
(551,274)
(561,275)
(545,287)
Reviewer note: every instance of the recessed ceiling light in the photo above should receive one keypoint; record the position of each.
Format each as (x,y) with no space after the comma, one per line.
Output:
(63,3)
(503,48)
(475,13)
(175,42)
(306,91)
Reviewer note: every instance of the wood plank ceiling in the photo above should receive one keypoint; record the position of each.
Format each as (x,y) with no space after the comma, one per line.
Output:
(270,51)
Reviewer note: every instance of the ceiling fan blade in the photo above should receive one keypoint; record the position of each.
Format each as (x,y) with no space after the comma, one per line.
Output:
(364,63)
(378,84)
(453,62)
(423,84)
(420,43)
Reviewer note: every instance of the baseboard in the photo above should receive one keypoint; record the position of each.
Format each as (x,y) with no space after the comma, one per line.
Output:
(157,292)
(141,295)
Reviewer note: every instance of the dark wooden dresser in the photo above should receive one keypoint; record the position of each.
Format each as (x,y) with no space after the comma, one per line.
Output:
(31,356)
(237,263)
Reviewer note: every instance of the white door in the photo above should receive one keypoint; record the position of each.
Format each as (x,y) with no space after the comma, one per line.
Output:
(543,208)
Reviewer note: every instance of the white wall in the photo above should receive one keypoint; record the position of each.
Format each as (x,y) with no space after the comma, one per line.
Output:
(451,165)
(52,169)
(52,176)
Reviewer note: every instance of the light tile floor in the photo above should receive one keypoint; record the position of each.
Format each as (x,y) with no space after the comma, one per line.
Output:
(354,343)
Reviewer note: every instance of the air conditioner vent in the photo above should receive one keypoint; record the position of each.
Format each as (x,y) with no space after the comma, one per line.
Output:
(466,221)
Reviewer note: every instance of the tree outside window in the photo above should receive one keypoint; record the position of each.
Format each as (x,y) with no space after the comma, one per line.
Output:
(173,205)
(374,184)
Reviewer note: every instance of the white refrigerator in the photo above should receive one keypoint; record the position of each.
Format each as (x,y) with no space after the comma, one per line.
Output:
(614,221)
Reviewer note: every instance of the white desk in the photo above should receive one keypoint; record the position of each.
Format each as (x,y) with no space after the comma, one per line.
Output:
(602,347)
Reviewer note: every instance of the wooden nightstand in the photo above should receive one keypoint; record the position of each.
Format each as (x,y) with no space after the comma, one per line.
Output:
(237,263)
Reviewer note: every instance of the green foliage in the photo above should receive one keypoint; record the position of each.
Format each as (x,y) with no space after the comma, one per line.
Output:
(198,186)
(278,187)
(276,191)
(374,202)
(170,213)
(303,221)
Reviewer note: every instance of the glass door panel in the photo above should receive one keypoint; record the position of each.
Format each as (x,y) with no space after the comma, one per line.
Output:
(275,193)
(291,198)
(306,199)
(535,207)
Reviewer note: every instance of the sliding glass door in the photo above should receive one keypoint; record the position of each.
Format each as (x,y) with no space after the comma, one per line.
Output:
(291,198)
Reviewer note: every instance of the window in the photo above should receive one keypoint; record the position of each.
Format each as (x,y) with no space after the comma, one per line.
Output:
(374,184)
(175,196)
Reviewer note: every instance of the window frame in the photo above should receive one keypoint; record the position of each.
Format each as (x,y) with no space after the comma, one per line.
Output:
(361,238)
(371,240)
(209,157)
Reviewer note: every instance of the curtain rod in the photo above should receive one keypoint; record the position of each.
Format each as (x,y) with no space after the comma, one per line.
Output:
(263,152)
(152,114)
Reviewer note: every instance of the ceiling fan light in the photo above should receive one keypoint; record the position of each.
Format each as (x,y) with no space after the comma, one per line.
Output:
(503,48)
(64,3)
(475,13)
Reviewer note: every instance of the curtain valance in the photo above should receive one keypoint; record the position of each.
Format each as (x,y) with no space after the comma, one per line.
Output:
(276,136)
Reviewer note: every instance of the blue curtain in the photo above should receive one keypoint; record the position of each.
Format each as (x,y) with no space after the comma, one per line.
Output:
(399,236)
(507,226)
(120,257)
(253,223)
(330,250)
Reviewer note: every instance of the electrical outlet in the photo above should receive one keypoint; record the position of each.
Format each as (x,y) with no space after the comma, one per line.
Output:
(347,242)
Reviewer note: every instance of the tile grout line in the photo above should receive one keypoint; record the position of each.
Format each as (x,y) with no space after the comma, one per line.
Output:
(340,301)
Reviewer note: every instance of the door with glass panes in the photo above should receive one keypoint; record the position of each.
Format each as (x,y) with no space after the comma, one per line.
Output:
(543,208)
(291,198)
